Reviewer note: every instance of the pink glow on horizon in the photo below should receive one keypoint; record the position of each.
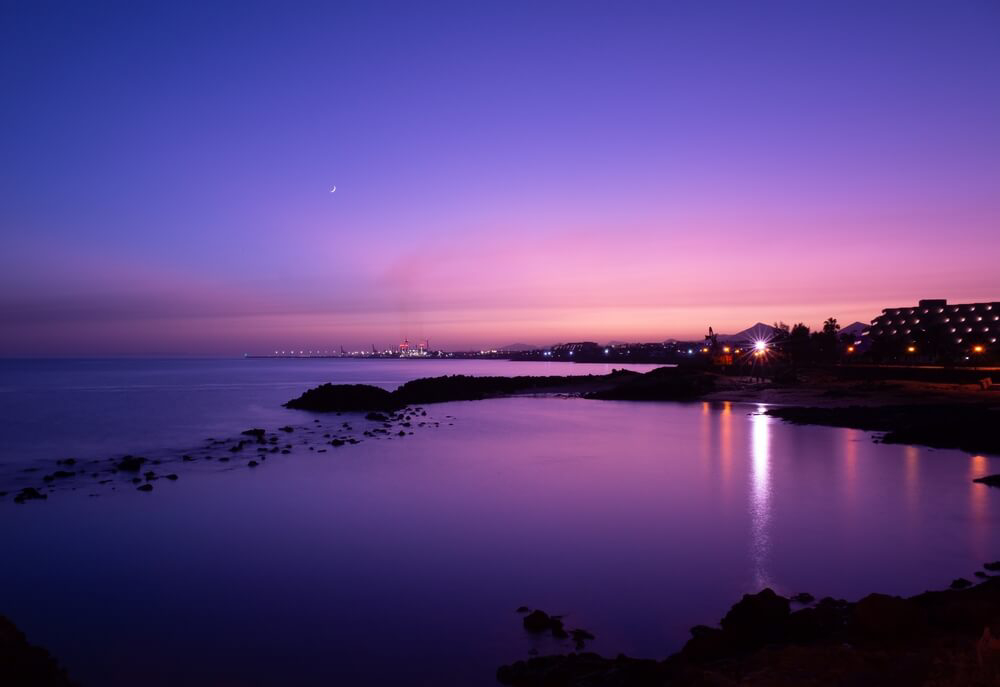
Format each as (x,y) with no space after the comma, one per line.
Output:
(582,172)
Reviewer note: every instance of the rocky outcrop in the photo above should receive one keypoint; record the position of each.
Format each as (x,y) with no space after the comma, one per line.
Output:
(661,384)
(946,639)
(24,664)
(329,398)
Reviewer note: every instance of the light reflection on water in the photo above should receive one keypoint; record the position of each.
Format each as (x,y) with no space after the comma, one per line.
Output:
(760,495)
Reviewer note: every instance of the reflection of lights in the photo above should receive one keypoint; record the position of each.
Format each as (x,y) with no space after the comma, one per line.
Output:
(760,495)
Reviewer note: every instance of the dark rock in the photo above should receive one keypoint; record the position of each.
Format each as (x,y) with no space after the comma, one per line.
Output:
(345,397)
(136,480)
(757,618)
(66,461)
(29,494)
(989,480)
(884,617)
(187,459)
(960,583)
(58,474)
(992,567)
(256,433)
(253,464)
(537,621)
(130,463)
(150,476)
(286,428)
(24,665)
(146,487)
(172,477)
(376,417)
(337,442)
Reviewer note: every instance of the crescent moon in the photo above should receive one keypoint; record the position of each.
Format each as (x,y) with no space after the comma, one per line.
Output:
(333,190)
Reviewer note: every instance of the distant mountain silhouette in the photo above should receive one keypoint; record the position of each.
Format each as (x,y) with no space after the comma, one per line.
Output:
(757,332)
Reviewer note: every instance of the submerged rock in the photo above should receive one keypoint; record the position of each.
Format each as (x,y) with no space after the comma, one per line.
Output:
(58,474)
(29,494)
(146,487)
(256,433)
(130,463)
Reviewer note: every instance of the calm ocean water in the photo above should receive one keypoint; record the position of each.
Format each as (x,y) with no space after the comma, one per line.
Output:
(401,561)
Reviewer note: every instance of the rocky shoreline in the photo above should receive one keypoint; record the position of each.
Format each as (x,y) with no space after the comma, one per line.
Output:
(25,665)
(947,638)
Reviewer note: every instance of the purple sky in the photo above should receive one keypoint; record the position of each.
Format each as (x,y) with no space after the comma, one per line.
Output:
(504,172)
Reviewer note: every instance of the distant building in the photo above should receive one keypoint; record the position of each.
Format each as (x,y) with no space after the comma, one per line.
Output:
(934,327)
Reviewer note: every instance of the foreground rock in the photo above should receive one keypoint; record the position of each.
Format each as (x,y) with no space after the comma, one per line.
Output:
(24,664)
(945,639)
(966,427)
(989,480)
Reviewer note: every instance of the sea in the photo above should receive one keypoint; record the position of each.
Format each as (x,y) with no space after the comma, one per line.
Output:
(402,559)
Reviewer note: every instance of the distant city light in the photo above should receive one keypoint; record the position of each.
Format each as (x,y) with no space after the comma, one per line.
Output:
(911,349)
(725,349)
(977,349)
(850,349)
